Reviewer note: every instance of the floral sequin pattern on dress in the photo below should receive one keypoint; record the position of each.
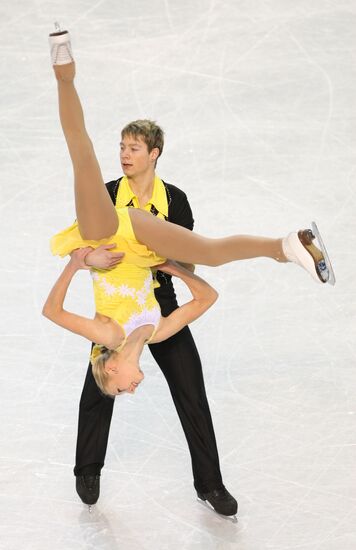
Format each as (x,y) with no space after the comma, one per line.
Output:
(139,295)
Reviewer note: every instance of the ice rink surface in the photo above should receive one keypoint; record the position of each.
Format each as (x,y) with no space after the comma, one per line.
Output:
(257,100)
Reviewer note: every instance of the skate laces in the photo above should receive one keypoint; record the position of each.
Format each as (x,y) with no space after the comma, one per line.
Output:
(61,54)
(61,49)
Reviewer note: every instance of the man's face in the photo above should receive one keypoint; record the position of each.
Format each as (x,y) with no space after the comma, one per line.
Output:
(135,158)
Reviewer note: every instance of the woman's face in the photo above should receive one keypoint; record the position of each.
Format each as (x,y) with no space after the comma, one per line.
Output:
(124,376)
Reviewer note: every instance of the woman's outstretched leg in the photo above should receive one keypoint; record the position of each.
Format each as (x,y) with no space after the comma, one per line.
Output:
(96,214)
(177,243)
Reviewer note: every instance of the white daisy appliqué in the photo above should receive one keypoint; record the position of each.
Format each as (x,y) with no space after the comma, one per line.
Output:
(124,290)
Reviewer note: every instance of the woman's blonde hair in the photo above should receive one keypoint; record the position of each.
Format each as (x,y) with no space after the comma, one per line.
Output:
(99,356)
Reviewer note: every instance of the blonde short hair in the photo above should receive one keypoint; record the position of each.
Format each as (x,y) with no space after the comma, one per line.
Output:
(148,131)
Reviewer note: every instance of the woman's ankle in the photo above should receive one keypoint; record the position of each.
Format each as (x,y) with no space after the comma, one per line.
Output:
(279,254)
(61,55)
(65,73)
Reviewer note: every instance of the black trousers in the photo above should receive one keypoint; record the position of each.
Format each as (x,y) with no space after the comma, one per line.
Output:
(179,360)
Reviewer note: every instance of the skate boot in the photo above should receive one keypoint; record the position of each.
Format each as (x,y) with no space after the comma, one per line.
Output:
(61,49)
(300,249)
(88,488)
(221,501)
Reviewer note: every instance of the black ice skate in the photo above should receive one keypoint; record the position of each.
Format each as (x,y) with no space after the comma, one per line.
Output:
(221,502)
(88,488)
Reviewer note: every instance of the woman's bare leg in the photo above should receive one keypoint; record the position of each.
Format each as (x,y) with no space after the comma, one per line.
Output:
(96,214)
(177,243)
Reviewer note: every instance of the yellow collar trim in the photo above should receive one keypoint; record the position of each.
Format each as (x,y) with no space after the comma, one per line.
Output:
(159,196)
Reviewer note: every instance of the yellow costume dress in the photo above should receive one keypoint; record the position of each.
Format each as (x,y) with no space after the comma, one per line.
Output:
(126,292)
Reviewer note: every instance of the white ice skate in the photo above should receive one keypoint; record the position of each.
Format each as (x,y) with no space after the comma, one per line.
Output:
(61,49)
(300,249)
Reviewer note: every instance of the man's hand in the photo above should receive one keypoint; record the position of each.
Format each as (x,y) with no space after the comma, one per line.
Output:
(102,258)
(78,257)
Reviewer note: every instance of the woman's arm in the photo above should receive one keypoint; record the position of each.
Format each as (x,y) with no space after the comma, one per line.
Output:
(203,294)
(92,329)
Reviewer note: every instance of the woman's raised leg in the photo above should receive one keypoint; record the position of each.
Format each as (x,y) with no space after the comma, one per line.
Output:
(96,214)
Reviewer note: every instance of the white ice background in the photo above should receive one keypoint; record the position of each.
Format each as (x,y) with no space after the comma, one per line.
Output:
(257,100)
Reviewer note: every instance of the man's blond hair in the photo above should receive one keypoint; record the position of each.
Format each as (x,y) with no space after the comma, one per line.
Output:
(148,131)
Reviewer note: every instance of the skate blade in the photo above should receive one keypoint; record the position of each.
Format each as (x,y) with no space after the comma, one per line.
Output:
(207,505)
(331,279)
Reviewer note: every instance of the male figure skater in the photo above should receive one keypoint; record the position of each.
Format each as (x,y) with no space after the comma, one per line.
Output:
(141,145)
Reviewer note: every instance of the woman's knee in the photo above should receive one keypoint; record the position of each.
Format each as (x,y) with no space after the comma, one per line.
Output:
(211,257)
(141,223)
(81,147)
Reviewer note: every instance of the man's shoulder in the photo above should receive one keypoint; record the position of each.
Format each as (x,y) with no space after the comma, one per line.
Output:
(112,183)
(179,210)
(112,187)
(174,193)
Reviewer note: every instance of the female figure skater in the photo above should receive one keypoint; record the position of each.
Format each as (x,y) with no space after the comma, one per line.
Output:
(127,314)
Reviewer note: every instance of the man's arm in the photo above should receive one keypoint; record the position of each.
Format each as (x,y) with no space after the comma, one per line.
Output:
(179,212)
(204,297)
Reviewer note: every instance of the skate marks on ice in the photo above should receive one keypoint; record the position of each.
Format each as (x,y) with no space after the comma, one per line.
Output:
(96,529)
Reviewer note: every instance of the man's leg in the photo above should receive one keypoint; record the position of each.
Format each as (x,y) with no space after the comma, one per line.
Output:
(179,360)
(95,412)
